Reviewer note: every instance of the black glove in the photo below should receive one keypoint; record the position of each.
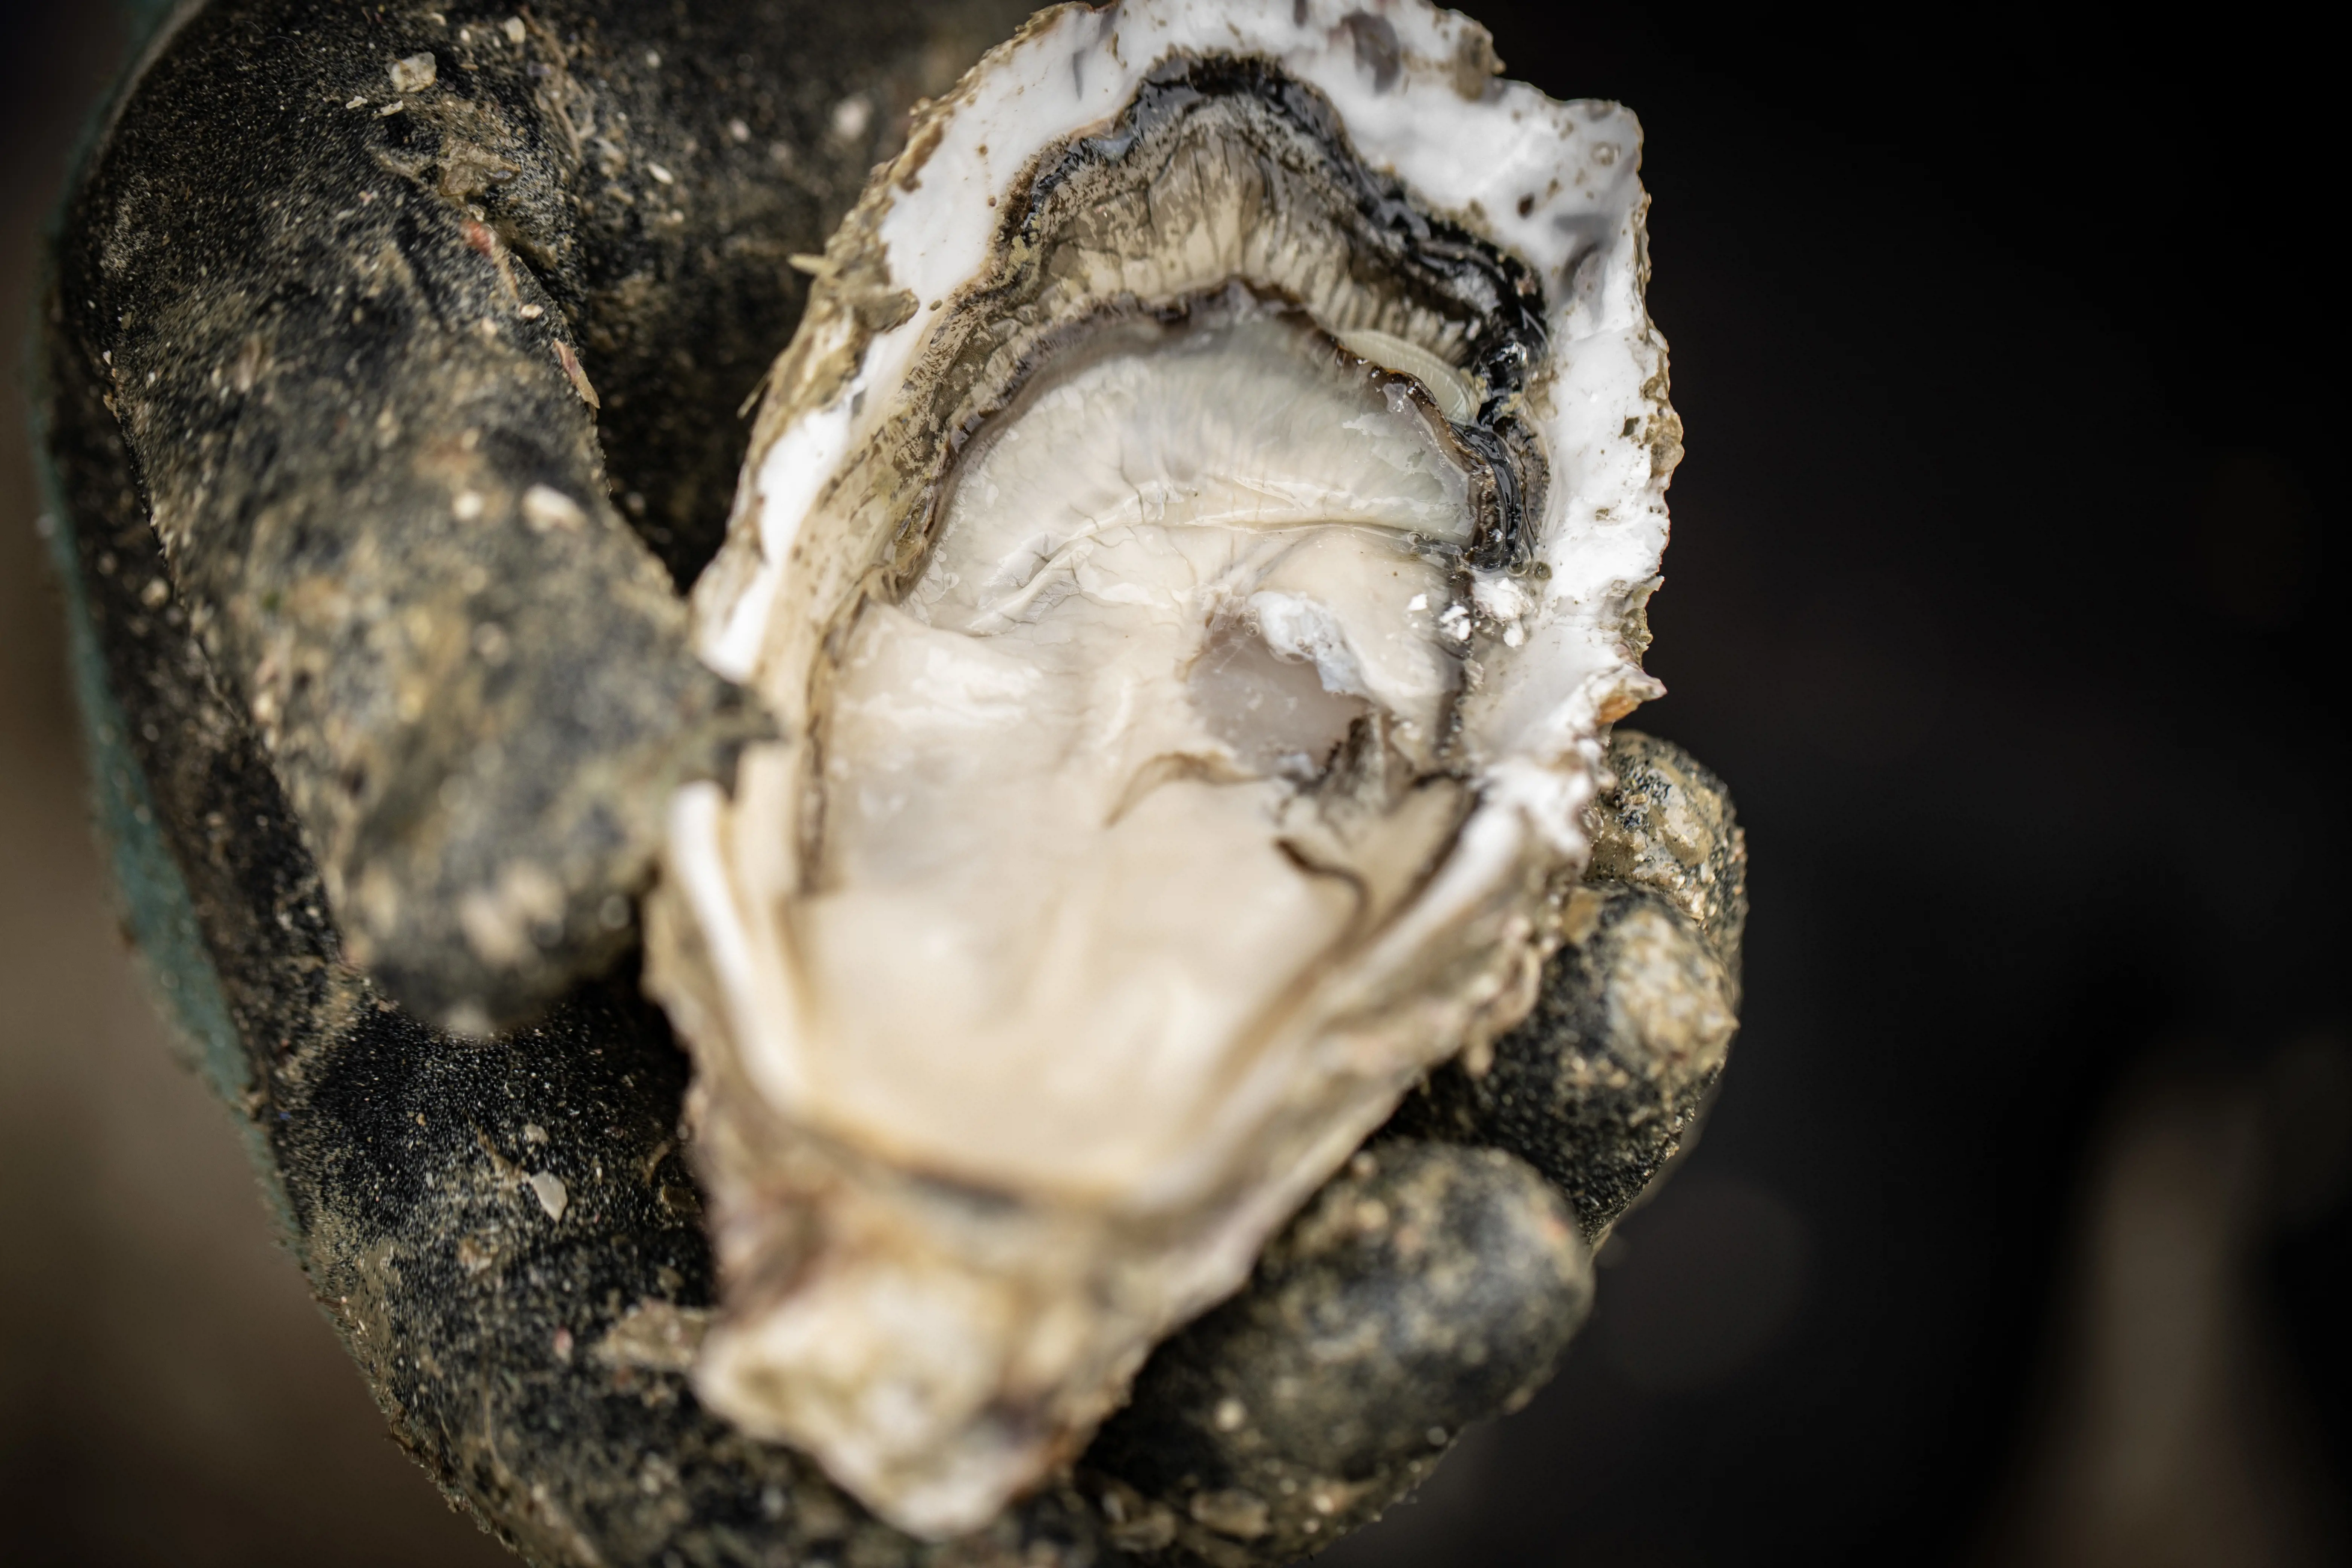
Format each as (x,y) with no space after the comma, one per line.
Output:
(319,696)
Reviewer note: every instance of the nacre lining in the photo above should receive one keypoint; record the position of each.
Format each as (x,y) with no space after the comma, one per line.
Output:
(1061,776)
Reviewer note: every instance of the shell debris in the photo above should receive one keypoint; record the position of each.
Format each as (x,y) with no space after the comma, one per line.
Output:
(549,1189)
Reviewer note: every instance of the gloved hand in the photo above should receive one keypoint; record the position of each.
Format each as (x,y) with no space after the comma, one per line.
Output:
(328,266)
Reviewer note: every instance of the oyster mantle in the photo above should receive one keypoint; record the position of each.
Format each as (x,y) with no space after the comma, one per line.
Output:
(1162,787)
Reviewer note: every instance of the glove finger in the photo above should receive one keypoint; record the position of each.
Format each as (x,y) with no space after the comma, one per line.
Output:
(352,297)
(1607,1081)
(1425,1288)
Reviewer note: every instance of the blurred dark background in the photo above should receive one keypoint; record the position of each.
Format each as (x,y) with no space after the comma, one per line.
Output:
(2011,362)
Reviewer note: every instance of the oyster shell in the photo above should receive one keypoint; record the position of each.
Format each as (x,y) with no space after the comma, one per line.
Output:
(1194,547)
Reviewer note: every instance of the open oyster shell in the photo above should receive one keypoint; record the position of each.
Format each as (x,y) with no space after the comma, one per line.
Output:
(1194,547)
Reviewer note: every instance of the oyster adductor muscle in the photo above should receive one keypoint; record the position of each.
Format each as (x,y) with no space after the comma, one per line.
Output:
(1189,549)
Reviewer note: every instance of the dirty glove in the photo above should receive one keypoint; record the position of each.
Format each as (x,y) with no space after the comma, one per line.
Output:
(383,776)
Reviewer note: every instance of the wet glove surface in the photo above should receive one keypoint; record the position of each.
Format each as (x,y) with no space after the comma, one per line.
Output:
(307,303)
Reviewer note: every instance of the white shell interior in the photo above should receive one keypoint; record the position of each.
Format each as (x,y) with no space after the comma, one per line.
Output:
(1059,777)
(1165,582)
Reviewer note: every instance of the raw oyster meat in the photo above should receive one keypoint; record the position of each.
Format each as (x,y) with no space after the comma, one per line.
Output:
(1194,548)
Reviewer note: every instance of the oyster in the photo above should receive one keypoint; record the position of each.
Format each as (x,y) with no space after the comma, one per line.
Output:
(1194,547)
